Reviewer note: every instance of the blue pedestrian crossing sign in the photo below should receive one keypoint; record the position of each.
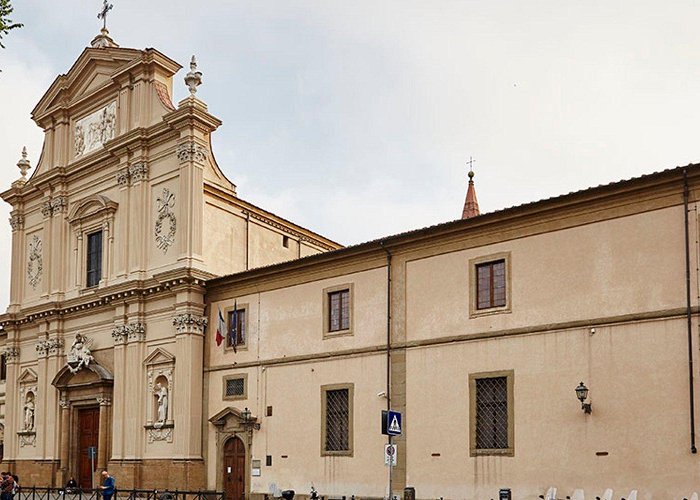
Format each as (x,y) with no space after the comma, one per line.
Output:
(391,423)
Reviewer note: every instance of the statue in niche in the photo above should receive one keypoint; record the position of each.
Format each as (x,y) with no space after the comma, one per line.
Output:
(29,412)
(161,393)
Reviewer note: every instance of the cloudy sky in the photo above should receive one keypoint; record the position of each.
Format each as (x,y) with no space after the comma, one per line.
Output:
(355,118)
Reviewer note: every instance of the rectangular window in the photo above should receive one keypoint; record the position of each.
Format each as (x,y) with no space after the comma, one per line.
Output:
(491,413)
(337,420)
(339,310)
(3,368)
(240,334)
(235,387)
(491,284)
(94,258)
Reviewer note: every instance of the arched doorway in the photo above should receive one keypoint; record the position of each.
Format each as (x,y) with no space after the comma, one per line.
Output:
(234,469)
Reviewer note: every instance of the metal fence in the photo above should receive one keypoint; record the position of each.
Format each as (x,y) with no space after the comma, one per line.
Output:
(33,493)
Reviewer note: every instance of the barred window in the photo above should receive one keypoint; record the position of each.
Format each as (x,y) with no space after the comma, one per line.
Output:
(339,310)
(492,413)
(235,387)
(337,432)
(492,430)
(491,284)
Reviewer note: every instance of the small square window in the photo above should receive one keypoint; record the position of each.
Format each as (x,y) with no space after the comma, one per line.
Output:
(235,387)
(285,241)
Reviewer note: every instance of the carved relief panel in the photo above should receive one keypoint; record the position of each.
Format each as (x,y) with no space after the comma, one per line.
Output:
(92,131)
(166,222)
(35,262)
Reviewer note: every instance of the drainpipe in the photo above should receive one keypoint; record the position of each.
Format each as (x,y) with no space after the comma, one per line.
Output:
(693,449)
(388,346)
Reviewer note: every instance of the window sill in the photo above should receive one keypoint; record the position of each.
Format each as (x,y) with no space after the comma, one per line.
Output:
(476,313)
(337,333)
(235,398)
(241,347)
(347,453)
(499,452)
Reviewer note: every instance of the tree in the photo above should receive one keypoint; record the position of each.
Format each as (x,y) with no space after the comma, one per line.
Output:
(6,24)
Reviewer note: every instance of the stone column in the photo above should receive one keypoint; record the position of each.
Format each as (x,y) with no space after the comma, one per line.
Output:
(103,440)
(65,433)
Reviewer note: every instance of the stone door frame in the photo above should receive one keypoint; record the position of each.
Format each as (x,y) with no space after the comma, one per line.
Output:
(230,424)
(91,387)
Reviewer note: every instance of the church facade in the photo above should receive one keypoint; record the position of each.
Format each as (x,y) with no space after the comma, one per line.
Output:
(124,218)
(192,340)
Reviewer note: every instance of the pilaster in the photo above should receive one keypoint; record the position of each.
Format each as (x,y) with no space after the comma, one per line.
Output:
(189,351)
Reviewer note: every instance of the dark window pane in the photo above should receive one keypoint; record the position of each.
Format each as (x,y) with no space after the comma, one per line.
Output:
(94,258)
(492,413)
(491,284)
(339,310)
(337,420)
(241,333)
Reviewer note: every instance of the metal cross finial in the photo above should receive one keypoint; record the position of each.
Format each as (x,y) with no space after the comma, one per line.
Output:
(106,7)
(471,170)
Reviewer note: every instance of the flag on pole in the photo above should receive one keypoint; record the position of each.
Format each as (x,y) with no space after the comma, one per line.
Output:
(220,329)
(234,326)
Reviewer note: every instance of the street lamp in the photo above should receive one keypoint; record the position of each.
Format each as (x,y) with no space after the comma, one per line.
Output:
(582,394)
(249,422)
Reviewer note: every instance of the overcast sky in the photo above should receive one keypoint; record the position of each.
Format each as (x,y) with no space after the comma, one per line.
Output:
(355,118)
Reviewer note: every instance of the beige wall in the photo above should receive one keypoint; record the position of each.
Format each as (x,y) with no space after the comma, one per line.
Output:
(623,276)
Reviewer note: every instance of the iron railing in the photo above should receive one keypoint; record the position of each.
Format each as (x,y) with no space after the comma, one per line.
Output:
(34,493)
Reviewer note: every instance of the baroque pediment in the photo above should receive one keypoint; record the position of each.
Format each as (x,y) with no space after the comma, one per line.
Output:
(92,71)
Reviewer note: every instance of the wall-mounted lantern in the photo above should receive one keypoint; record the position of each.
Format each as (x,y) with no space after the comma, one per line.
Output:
(582,394)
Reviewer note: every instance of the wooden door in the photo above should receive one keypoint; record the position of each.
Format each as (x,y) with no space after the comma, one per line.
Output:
(234,469)
(88,435)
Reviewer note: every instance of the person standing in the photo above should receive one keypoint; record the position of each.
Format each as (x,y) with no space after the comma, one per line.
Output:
(108,485)
(7,486)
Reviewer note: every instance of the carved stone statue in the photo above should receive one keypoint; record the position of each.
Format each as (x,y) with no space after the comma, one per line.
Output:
(161,393)
(29,413)
(79,355)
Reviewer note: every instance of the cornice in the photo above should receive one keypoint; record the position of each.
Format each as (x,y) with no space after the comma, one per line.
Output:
(620,199)
(160,284)
(272,219)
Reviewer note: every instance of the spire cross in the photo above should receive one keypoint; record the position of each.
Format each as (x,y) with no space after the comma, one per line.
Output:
(106,7)
(470,163)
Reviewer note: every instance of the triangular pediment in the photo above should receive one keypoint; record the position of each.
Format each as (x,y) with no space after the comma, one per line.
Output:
(228,413)
(159,357)
(28,376)
(92,71)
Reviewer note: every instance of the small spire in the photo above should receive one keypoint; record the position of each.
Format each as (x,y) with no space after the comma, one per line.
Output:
(471,206)
(23,163)
(193,79)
